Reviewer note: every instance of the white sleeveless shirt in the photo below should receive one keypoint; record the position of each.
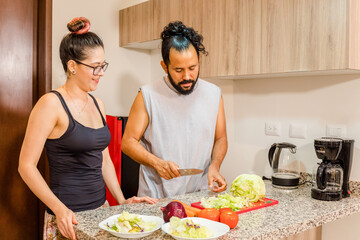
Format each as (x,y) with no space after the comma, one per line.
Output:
(181,129)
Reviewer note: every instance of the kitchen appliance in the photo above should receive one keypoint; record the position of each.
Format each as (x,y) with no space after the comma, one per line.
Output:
(285,166)
(332,176)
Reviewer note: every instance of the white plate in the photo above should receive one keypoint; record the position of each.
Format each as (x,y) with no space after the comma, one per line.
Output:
(113,218)
(217,228)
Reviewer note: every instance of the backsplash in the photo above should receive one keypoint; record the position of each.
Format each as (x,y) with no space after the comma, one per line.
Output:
(355,187)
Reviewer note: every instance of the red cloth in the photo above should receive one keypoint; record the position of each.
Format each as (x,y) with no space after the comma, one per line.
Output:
(115,127)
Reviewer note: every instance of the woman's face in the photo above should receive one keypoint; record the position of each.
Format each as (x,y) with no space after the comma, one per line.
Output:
(84,74)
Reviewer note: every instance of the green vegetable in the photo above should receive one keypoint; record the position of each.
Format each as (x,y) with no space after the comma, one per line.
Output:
(131,223)
(224,201)
(187,228)
(248,186)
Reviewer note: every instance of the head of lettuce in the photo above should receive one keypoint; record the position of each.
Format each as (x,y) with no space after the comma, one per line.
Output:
(248,186)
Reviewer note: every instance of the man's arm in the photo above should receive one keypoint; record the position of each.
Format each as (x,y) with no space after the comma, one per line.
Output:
(219,151)
(135,127)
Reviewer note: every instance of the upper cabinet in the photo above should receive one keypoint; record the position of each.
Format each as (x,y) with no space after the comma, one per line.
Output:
(135,24)
(187,11)
(304,35)
(232,36)
(252,38)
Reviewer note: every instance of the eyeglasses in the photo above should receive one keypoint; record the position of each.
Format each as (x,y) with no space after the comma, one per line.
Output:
(97,69)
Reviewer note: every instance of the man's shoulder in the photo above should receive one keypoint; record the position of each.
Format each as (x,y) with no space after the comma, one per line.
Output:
(208,85)
(153,84)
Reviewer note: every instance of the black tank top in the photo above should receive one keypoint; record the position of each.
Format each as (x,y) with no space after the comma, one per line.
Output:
(75,161)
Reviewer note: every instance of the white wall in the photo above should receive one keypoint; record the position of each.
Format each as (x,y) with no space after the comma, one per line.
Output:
(310,101)
(128,69)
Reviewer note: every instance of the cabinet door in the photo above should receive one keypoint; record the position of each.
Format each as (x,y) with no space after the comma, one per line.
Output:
(187,11)
(303,35)
(136,23)
(231,31)
(354,34)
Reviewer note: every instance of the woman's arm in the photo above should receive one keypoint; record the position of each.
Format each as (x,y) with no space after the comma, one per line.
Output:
(42,122)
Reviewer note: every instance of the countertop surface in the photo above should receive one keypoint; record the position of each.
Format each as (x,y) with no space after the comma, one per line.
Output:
(295,212)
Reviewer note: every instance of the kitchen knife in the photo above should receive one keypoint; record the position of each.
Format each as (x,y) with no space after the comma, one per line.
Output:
(189,171)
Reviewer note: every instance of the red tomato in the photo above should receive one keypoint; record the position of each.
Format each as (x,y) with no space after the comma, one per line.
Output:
(210,213)
(225,209)
(229,218)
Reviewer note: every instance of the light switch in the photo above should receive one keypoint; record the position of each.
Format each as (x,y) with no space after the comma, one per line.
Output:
(335,130)
(273,128)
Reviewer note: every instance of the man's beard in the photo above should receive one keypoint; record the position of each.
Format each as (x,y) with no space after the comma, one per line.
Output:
(178,86)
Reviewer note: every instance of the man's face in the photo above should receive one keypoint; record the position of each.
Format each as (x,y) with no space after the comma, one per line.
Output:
(183,69)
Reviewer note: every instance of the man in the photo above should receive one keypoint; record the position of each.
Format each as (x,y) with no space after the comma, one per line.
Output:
(180,121)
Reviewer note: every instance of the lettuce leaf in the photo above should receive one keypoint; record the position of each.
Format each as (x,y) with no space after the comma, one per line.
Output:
(248,186)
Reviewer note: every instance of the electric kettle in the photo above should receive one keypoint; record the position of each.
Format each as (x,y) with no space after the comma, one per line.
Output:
(285,166)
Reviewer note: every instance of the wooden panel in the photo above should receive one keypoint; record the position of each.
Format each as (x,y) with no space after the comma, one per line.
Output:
(136,23)
(187,11)
(42,83)
(19,88)
(354,34)
(18,205)
(311,234)
(303,35)
(232,35)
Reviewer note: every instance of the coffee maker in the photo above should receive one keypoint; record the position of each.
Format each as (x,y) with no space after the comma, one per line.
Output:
(332,176)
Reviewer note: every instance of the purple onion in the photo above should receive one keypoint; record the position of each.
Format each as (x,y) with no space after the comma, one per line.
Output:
(173,209)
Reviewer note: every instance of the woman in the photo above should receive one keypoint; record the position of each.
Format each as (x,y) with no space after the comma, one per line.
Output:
(71,124)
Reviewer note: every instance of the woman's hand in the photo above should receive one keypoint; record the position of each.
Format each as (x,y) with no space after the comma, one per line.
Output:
(140,199)
(65,220)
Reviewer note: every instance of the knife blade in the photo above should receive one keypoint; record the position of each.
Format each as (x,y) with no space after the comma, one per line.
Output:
(190,171)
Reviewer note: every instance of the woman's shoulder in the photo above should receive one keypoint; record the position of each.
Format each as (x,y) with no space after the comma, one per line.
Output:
(49,98)
(48,102)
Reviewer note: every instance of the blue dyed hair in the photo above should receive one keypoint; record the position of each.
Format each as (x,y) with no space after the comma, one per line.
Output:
(176,35)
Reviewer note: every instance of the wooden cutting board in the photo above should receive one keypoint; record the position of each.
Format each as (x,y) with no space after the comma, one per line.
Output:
(265,202)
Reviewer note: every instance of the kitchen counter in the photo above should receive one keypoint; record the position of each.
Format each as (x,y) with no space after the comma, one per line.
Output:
(296,212)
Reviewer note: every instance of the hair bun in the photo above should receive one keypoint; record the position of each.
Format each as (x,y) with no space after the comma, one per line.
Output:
(79,25)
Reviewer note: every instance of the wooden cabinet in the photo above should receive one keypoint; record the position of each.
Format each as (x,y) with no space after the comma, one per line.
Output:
(311,234)
(304,35)
(231,31)
(145,21)
(136,23)
(190,12)
(257,38)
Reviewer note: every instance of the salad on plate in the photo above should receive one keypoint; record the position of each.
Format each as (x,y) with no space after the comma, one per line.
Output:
(188,229)
(131,223)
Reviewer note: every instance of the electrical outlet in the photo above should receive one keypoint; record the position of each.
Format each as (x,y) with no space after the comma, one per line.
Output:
(335,130)
(272,128)
(298,131)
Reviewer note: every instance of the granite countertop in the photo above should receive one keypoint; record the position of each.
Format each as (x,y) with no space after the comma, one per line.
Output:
(295,212)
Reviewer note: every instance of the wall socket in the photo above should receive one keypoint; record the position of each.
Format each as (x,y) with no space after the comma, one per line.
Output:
(273,128)
(335,130)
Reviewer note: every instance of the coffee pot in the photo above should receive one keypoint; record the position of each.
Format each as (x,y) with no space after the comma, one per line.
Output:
(329,177)
(332,175)
(285,166)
